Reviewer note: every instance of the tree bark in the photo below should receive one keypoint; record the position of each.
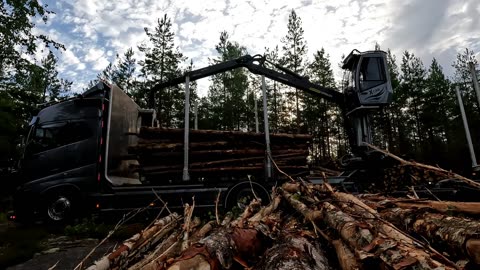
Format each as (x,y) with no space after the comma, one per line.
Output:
(380,246)
(345,256)
(149,236)
(446,207)
(291,252)
(446,233)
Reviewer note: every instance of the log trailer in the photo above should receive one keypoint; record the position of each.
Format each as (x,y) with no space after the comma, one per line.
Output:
(76,156)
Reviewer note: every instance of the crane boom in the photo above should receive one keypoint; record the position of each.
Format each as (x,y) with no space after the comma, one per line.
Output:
(255,64)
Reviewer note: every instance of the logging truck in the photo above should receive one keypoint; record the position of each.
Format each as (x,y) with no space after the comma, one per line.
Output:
(77,156)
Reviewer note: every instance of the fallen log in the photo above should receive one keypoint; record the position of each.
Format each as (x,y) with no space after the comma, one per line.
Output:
(293,251)
(370,238)
(345,256)
(446,207)
(459,237)
(224,246)
(379,246)
(120,255)
(370,232)
(156,257)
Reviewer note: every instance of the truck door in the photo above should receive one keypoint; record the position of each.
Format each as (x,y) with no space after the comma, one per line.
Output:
(43,156)
(59,147)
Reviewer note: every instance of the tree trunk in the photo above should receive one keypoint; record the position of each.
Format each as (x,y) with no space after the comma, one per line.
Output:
(345,256)
(291,252)
(444,232)
(469,208)
(370,246)
(132,246)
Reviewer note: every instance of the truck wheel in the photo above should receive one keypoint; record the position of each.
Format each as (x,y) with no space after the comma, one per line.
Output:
(59,208)
(241,194)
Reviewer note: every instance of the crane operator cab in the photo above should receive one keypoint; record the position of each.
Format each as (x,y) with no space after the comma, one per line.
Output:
(366,81)
(366,87)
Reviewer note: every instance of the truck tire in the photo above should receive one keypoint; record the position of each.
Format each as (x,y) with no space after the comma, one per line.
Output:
(59,207)
(241,194)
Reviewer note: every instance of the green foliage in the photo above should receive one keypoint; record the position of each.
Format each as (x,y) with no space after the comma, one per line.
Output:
(16,36)
(321,117)
(92,228)
(88,228)
(23,83)
(161,63)
(423,122)
(294,58)
(277,109)
(3,218)
(124,75)
(227,94)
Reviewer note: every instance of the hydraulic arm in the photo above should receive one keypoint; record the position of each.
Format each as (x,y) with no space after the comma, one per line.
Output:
(255,64)
(366,87)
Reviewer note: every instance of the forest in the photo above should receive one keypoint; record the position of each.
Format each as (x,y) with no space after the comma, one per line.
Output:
(422,123)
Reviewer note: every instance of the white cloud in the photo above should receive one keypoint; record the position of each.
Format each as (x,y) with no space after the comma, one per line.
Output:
(93,55)
(96,30)
(81,66)
(69,57)
(100,64)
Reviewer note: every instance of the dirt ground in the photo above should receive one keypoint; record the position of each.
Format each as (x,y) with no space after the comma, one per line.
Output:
(65,254)
(37,247)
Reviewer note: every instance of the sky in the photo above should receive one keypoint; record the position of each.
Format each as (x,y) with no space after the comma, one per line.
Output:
(95,31)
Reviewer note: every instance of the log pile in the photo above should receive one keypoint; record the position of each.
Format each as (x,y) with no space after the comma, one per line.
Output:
(217,153)
(400,175)
(308,226)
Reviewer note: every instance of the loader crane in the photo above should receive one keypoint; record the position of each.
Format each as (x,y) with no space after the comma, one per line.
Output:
(366,88)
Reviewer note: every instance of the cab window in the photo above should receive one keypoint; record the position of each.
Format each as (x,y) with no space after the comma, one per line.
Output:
(51,136)
(371,73)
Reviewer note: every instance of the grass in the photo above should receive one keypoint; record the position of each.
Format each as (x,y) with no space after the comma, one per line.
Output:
(90,228)
(3,218)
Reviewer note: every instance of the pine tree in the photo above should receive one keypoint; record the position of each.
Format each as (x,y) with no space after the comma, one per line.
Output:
(53,86)
(229,89)
(161,63)
(107,75)
(412,87)
(294,57)
(393,132)
(278,114)
(437,110)
(125,70)
(178,99)
(463,79)
(317,112)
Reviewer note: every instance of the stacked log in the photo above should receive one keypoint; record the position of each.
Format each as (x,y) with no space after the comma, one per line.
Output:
(217,153)
(307,226)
